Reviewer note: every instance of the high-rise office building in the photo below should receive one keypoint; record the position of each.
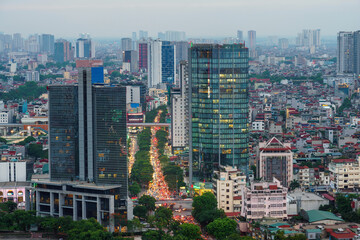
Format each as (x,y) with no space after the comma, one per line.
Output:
(179,110)
(88,156)
(126,44)
(154,63)
(218,108)
(357,53)
(18,42)
(143,55)
(182,49)
(134,41)
(47,43)
(32,44)
(85,48)
(131,57)
(168,63)
(239,36)
(252,43)
(63,51)
(345,52)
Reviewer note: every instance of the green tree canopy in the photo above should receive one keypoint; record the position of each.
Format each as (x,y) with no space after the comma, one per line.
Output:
(148,202)
(222,228)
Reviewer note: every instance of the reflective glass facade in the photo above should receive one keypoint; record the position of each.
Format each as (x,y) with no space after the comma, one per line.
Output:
(63,129)
(167,62)
(110,153)
(219,98)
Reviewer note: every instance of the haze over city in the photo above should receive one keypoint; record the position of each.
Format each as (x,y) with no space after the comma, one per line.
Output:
(199,18)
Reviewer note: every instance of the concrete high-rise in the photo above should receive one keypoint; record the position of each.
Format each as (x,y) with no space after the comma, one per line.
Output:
(63,51)
(126,44)
(154,63)
(168,63)
(179,110)
(131,57)
(218,108)
(85,48)
(357,53)
(18,42)
(239,36)
(252,43)
(143,55)
(88,156)
(47,43)
(345,52)
(283,43)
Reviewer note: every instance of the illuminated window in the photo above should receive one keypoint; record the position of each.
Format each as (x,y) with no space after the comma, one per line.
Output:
(56,138)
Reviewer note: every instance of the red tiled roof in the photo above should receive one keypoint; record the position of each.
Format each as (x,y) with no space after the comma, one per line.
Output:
(328,197)
(346,234)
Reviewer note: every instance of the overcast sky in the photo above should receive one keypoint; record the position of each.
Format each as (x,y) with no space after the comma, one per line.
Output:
(198,18)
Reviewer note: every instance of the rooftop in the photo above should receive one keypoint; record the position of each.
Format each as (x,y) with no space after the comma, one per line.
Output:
(317,215)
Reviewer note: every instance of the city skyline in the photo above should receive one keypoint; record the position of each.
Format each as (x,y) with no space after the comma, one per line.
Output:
(111,21)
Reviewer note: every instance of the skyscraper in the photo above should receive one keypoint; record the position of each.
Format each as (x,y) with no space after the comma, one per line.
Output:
(252,43)
(85,48)
(143,55)
(154,63)
(240,37)
(126,44)
(131,57)
(62,51)
(18,42)
(168,63)
(357,53)
(88,156)
(179,110)
(218,108)
(345,52)
(47,43)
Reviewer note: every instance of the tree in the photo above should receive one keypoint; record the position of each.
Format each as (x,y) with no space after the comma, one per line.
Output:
(154,235)
(134,225)
(134,189)
(148,202)
(88,229)
(35,150)
(8,206)
(203,203)
(236,236)
(23,219)
(222,227)
(115,74)
(294,184)
(208,216)
(163,217)
(140,211)
(189,231)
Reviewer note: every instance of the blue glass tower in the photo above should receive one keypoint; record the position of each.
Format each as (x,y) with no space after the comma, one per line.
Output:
(168,63)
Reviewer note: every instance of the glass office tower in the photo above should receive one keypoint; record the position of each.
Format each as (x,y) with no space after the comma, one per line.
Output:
(218,99)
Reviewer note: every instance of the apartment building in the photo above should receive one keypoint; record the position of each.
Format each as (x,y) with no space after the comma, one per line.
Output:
(228,183)
(264,199)
(344,173)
